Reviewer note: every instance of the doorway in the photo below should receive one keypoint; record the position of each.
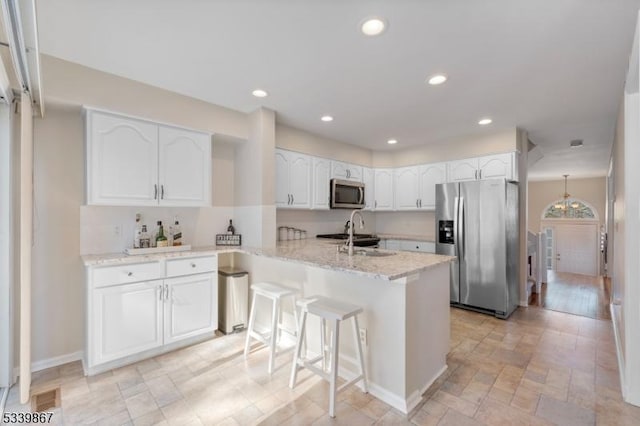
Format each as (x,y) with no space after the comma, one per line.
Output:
(573,248)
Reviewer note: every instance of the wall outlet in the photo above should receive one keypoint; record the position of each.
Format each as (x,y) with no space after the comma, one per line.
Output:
(363,336)
(117,230)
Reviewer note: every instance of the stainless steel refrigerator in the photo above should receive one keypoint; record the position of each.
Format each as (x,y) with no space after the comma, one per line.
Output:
(477,222)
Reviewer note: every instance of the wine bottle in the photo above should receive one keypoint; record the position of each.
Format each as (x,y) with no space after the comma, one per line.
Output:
(161,240)
(230,229)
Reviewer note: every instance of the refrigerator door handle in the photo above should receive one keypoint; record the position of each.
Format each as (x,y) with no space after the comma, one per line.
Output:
(456,245)
(460,210)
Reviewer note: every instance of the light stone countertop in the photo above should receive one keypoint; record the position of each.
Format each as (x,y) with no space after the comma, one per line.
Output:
(407,237)
(313,252)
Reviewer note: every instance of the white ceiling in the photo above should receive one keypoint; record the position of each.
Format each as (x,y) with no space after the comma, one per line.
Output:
(554,68)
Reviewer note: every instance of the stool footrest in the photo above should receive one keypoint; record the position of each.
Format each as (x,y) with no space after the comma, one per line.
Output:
(349,383)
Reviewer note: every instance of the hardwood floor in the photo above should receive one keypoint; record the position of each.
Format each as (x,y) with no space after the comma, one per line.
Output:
(576,294)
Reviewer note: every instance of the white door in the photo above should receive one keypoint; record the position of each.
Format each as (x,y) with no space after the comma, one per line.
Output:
(127,319)
(463,170)
(321,175)
(122,157)
(576,248)
(406,193)
(191,307)
(383,188)
(496,166)
(429,176)
(283,198)
(300,180)
(369,179)
(184,172)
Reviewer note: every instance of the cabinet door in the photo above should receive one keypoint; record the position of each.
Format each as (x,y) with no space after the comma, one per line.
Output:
(463,170)
(369,178)
(429,176)
(496,166)
(406,185)
(283,197)
(355,173)
(300,180)
(125,320)
(383,188)
(184,174)
(191,307)
(339,170)
(122,161)
(321,174)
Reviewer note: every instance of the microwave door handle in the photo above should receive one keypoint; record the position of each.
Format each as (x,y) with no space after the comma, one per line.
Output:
(361,190)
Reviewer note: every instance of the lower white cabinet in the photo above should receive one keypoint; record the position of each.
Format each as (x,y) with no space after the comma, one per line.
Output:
(191,306)
(128,321)
(409,245)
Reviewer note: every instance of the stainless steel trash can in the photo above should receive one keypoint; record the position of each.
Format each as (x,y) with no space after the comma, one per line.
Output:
(233,299)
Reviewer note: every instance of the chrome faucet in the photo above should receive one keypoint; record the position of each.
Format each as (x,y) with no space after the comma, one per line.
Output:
(349,243)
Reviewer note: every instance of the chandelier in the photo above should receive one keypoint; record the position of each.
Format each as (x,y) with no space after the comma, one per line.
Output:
(564,204)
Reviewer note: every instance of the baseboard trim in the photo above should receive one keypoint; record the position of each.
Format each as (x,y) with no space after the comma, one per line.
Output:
(619,354)
(416,397)
(52,362)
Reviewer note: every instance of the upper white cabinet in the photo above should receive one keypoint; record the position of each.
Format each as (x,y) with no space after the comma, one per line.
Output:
(416,186)
(138,163)
(293,180)
(407,192)
(383,189)
(321,175)
(488,167)
(184,167)
(369,178)
(346,171)
(429,176)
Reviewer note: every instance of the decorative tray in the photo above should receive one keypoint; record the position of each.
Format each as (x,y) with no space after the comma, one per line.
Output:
(152,250)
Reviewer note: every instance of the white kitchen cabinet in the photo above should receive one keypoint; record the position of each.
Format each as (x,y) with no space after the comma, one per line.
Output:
(133,162)
(415,187)
(122,161)
(406,194)
(369,179)
(321,176)
(293,180)
(127,319)
(346,171)
(408,245)
(488,167)
(429,175)
(190,306)
(184,167)
(383,188)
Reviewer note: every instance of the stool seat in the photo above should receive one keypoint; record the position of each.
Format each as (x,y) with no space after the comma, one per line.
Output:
(268,289)
(330,309)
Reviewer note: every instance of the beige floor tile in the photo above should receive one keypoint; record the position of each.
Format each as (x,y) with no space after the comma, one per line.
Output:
(422,418)
(564,413)
(141,404)
(375,408)
(465,407)
(455,418)
(121,418)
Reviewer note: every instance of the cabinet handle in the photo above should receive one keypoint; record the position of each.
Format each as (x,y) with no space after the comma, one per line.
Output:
(162,192)
(129,274)
(480,174)
(375,204)
(193,265)
(416,202)
(476,175)
(292,198)
(155,191)
(166,291)
(420,202)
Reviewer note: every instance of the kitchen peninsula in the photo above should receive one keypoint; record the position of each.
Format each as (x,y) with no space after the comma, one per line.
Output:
(405,297)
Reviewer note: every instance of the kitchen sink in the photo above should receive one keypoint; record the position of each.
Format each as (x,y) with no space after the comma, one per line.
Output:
(374,253)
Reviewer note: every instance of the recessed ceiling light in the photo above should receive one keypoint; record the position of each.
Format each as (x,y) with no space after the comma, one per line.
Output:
(485,121)
(437,79)
(576,143)
(326,118)
(259,93)
(392,141)
(373,26)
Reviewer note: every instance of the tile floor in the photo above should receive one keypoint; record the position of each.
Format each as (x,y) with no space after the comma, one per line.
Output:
(540,367)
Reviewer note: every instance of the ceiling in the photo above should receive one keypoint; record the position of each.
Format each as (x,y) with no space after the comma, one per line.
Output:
(556,70)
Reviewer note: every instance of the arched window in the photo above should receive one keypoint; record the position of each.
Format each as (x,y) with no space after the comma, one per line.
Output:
(570,208)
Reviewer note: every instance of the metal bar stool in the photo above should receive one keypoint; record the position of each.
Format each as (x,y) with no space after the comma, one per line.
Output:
(334,311)
(275,293)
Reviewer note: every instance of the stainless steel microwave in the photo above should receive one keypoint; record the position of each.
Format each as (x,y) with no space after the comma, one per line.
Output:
(346,194)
